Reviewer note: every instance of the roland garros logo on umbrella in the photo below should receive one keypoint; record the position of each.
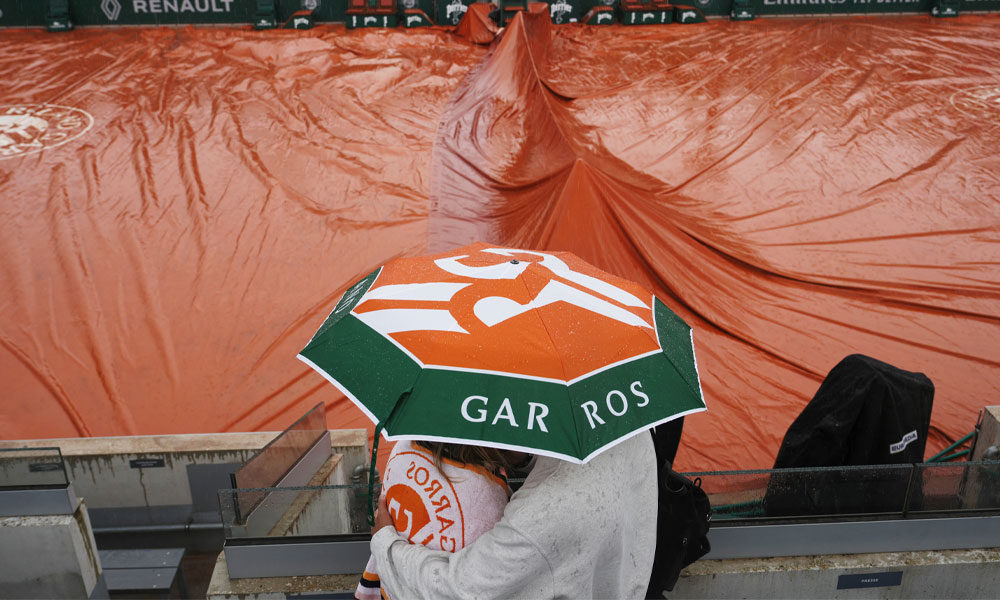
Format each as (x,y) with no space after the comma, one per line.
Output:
(508,348)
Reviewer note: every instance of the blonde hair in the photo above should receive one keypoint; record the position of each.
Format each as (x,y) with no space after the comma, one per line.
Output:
(491,459)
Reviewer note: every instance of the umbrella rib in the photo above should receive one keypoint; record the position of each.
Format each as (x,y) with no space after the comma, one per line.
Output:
(566,379)
(565,374)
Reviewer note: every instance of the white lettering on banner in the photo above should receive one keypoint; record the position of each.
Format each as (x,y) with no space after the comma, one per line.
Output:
(532,417)
(536,412)
(482,411)
(590,409)
(636,387)
(159,7)
(616,402)
(903,443)
(506,413)
(619,396)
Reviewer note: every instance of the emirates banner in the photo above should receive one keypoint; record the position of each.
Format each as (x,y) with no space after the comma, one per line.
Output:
(813,7)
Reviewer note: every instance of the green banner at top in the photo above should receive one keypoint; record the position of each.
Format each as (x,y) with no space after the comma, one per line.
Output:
(817,7)
(32,13)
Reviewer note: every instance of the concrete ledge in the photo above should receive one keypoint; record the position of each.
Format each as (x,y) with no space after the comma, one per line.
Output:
(854,537)
(927,574)
(191,442)
(274,588)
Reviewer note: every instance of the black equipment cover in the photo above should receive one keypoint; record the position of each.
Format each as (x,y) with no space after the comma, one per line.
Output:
(866,412)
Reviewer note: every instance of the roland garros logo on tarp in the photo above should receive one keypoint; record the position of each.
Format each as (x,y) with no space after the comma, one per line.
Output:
(477,312)
(29,128)
(982,102)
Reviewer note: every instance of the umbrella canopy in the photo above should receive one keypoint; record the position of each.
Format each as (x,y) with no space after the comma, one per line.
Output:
(517,349)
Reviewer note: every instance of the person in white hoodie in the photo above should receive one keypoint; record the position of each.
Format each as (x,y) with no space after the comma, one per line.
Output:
(571,531)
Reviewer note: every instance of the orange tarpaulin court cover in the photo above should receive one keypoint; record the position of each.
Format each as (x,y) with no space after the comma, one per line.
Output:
(181,208)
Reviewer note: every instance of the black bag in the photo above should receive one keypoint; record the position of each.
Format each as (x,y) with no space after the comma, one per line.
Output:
(683,517)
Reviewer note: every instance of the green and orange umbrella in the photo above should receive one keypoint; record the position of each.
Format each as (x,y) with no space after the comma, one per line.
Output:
(533,351)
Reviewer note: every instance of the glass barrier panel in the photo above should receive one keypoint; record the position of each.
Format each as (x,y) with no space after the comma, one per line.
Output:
(31,467)
(968,486)
(734,494)
(288,512)
(892,491)
(274,460)
(815,492)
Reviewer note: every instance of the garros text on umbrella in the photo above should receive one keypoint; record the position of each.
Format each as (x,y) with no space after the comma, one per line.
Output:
(616,402)
(477,409)
(479,405)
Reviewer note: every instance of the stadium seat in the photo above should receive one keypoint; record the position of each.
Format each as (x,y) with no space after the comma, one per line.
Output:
(509,8)
(371,13)
(266,16)
(58,16)
(600,15)
(945,8)
(647,12)
(416,17)
(300,19)
(742,11)
(688,14)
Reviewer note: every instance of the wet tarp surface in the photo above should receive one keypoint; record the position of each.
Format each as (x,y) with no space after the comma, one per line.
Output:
(797,190)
